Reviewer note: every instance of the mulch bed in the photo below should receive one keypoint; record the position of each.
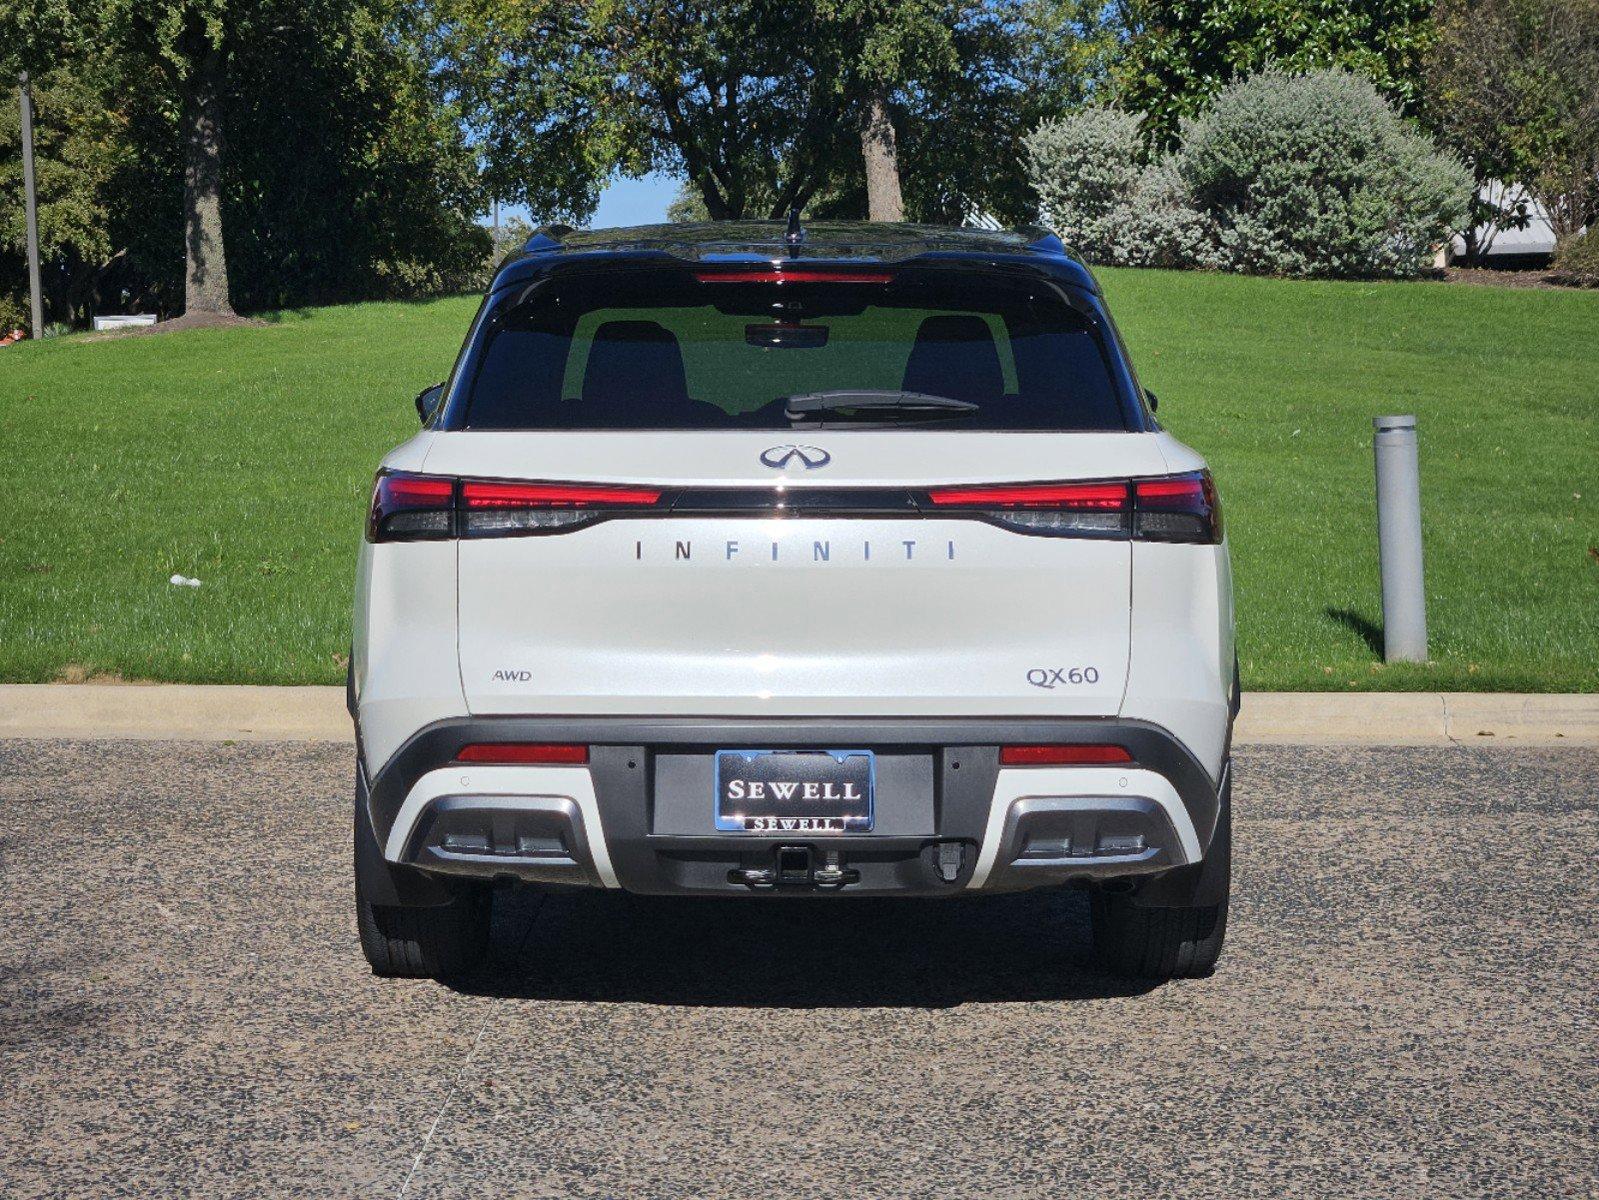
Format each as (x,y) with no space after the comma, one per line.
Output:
(1488,277)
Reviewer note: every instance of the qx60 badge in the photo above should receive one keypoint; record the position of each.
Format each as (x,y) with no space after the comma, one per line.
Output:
(809,457)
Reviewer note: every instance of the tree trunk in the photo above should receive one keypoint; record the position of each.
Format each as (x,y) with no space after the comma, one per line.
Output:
(205,284)
(883,199)
(715,206)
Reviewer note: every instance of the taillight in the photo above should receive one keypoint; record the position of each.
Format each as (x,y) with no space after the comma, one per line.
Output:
(409,507)
(1174,508)
(523,753)
(1180,508)
(489,508)
(1063,509)
(1062,755)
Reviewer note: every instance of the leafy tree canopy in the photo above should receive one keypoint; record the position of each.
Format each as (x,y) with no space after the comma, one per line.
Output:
(81,148)
(343,174)
(36,35)
(1179,53)
(757,103)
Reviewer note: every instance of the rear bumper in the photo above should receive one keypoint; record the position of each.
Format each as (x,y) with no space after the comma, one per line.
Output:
(638,815)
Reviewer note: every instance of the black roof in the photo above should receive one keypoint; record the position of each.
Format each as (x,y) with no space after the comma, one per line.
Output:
(827,241)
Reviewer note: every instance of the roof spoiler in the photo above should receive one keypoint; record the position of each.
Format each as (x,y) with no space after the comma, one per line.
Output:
(1043,240)
(546,237)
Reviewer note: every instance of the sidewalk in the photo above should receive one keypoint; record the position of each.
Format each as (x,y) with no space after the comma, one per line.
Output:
(188,712)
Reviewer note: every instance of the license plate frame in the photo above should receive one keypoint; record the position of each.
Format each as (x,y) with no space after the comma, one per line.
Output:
(843,801)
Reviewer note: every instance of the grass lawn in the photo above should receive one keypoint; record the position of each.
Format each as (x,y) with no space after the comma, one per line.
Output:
(243,457)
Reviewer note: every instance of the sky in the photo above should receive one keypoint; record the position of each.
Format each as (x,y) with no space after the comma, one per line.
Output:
(635,201)
(625,202)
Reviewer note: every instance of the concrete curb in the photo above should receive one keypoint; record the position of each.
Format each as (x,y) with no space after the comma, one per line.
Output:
(176,711)
(189,712)
(1418,719)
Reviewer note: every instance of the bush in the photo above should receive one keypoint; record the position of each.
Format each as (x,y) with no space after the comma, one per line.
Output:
(1085,168)
(1161,226)
(1308,174)
(1105,202)
(1315,174)
(14,311)
(1577,260)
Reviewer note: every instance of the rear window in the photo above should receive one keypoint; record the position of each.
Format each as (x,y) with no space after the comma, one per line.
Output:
(685,349)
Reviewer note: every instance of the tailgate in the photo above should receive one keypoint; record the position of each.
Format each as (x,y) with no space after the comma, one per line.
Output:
(733,614)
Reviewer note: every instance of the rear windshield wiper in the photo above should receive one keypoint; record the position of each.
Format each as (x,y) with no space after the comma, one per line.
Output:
(796,407)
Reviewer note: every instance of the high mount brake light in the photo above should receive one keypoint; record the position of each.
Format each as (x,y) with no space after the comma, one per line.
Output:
(1062,756)
(779,274)
(1176,508)
(523,753)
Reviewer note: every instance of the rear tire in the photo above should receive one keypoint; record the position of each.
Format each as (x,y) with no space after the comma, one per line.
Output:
(1172,941)
(443,941)
(1158,943)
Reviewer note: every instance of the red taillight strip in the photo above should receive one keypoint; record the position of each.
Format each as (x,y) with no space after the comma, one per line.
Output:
(1178,508)
(1104,497)
(523,753)
(1062,756)
(485,494)
(777,274)
(415,490)
(1182,487)
(408,507)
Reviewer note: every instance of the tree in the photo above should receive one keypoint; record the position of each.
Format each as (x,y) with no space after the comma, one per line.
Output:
(80,149)
(1018,65)
(761,106)
(1513,87)
(39,35)
(190,43)
(958,83)
(380,199)
(885,47)
(737,96)
(345,178)
(1179,53)
(36,36)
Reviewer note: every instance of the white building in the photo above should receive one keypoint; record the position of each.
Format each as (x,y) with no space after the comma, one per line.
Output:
(1532,245)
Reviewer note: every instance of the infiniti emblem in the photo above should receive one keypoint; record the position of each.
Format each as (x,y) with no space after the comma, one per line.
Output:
(810,457)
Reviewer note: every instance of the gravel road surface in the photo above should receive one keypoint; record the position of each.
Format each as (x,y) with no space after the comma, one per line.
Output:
(1408,1007)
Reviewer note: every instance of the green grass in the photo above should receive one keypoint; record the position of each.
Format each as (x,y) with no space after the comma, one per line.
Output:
(243,457)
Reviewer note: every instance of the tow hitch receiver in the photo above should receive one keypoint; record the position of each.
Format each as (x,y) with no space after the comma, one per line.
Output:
(797,866)
(793,864)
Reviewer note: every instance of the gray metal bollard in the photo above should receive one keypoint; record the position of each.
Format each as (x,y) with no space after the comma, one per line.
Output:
(31,206)
(1404,597)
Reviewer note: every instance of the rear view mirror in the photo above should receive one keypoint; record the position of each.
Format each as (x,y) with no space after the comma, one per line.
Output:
(427,402)
(1154,400)
(786,335)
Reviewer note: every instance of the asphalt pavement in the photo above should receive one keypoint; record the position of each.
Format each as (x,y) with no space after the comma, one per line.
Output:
(1408,1006)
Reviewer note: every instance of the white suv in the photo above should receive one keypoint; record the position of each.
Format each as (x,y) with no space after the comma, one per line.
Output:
(846,560)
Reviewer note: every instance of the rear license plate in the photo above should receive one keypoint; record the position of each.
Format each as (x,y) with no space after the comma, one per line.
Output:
(795,791)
